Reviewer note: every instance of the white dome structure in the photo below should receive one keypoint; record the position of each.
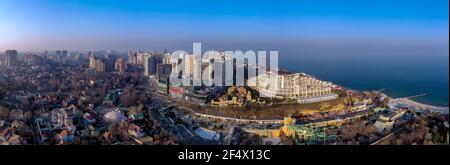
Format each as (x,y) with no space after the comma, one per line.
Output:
(114,117)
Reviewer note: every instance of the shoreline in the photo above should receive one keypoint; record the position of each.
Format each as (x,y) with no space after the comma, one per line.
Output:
(423,102)
(434,105)
(417,105)
(388,96)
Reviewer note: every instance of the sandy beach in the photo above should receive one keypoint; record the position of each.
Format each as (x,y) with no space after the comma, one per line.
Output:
(404,102)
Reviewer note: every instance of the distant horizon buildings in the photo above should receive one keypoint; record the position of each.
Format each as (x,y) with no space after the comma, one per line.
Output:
(150,64)
(96,64)
(132,58)
(121,65)
(33,59)
(62,53)
(102,62)
(91,60)
(10,58)
(100,65)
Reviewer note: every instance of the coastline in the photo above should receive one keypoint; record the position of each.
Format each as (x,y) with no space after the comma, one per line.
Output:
(407,102)
(410,102)
(392,95)
(417,105)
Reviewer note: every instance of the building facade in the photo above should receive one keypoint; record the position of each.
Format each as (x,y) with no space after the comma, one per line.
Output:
(150,65)
(121,66)
(10,58)
(300,86)
(96,64)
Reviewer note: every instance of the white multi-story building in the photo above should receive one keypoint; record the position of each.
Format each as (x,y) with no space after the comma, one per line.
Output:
(300,86)
(60,118)
(91,61)
(166,58)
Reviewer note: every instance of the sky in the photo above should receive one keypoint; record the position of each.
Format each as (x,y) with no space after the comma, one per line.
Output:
(308,26)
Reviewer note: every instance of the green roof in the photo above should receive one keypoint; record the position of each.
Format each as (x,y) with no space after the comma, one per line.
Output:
(138,116)
(378,109)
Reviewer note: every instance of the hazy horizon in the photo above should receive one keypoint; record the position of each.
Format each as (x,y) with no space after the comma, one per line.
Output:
(314,27)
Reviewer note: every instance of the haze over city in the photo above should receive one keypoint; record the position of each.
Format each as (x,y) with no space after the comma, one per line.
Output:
(320,27)
(98,72)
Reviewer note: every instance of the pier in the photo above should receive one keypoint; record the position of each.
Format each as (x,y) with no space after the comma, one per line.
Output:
(415,96)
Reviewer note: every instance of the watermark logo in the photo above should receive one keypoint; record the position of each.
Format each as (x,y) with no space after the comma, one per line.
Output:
(228,68)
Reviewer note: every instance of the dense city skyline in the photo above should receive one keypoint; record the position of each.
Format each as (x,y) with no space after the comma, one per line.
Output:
(213,73)
(403,26)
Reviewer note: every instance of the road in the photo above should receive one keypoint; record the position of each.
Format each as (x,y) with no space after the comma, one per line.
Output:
(36,130)
(185,135)
(387,136)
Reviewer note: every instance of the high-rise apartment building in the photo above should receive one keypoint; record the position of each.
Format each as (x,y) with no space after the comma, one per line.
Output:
(121,65)
(64,53)
(10,58)
(91,60)
(150,65)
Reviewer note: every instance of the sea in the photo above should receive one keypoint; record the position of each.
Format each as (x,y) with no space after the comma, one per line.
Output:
(399,75)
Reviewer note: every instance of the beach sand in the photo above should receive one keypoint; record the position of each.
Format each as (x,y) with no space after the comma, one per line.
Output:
(417,106)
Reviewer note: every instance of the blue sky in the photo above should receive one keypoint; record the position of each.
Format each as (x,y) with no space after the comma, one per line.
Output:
(314,25)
